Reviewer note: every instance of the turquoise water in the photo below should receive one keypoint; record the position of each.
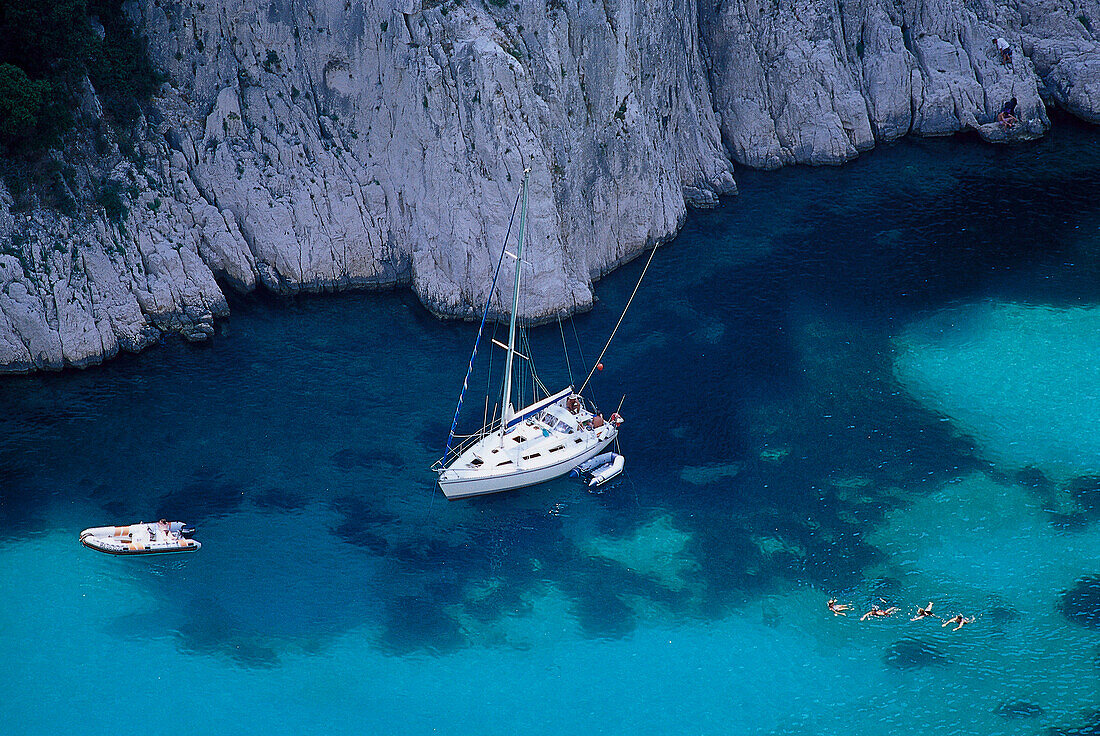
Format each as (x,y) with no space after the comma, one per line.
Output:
(875,381)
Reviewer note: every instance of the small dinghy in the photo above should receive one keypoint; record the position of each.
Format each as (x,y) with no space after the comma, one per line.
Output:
(600,469)
(159,538)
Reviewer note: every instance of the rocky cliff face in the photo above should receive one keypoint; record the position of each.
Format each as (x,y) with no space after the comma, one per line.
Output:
(338,144)
(815,81)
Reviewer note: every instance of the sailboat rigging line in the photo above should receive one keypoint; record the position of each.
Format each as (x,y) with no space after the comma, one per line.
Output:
(536,382)
(480,329)
(565,349)
(521,377)
(534,374)
(577,339)
(489,375)
(628,303)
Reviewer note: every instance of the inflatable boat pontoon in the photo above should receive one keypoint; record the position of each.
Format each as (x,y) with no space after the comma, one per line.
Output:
(153,538)
(600,469)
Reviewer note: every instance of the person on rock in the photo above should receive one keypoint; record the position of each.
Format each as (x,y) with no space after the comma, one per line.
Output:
(1007,116)
(1005,50)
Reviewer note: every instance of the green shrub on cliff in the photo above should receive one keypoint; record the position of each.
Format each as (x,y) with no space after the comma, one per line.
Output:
(118,64)
(110,200)
(46,48)
(20,100)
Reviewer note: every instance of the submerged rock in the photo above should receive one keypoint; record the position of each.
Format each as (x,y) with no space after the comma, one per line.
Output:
(1086,492)
(908,654)
(701,475)
(1081,603)
(1001,614)
(1091,727)
(1014,709)
(1032,477)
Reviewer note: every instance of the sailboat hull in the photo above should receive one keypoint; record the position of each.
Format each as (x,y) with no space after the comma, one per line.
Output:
(481,486)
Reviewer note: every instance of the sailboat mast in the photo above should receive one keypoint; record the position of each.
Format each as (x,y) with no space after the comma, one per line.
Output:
(507,411)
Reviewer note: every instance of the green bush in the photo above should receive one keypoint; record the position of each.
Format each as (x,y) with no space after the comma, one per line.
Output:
(20,102)
(111,202)
(46,47)
(45,38)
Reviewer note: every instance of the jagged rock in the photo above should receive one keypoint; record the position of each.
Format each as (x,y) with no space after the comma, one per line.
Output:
(322,145)
(380,147)
(996,133)
(700,198)
(1061,40)
(75,291)
(819,81)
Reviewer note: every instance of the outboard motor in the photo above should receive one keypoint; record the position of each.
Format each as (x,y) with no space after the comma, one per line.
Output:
(187,531)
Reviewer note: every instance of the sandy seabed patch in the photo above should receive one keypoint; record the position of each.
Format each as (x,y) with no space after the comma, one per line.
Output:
(1022,381)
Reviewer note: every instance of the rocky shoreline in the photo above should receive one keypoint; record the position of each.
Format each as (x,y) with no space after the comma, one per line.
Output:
(336,145)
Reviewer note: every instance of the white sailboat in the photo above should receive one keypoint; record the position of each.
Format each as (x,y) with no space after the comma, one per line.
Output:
(542,441)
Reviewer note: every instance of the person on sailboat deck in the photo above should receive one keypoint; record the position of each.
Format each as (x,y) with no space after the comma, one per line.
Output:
(598,421)
(573,404)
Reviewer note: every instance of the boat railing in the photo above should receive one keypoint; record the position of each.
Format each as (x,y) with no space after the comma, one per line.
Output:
(468,440)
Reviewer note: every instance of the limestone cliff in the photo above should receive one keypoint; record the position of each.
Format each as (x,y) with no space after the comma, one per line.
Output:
(812,81)
(337,144)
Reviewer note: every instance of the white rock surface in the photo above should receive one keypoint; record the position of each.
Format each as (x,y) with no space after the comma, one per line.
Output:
(818,81)
(333,144)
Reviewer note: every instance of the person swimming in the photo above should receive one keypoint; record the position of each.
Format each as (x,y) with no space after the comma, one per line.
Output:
(957,619)
(838,609)
(877,612)
(923,612)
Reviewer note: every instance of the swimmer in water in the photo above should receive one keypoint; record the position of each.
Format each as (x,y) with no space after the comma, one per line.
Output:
(838,609)
(957,619)
(923,612)
(877,612)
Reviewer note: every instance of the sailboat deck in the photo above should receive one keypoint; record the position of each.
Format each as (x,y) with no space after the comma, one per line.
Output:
(547,444)
(533,442)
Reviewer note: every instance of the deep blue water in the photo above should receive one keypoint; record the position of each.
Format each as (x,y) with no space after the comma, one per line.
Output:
(873,381)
